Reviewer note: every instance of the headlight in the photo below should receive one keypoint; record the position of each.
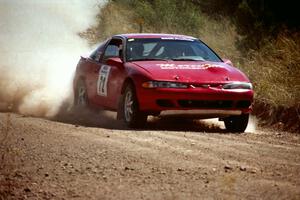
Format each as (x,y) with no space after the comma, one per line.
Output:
(238,85)
(163,84)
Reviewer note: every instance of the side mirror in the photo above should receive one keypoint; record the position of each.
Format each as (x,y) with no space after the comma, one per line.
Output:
(227,61)
(115,61)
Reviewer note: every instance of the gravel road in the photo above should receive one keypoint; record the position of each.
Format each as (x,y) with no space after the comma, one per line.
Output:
(69,158)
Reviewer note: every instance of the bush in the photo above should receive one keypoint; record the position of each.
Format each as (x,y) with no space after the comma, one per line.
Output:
(168,16)
(275,70)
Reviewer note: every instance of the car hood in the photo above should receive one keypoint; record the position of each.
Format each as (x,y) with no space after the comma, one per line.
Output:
(191,71)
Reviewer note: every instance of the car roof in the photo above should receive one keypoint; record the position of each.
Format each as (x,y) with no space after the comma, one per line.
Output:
(154,35)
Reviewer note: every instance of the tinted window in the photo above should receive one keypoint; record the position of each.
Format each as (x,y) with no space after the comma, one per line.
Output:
(97,53)
(170,49)
(113,49)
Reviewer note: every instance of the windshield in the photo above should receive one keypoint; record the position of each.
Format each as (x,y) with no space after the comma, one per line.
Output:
(168,49)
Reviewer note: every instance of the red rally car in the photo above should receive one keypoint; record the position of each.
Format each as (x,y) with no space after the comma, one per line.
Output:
(162,74)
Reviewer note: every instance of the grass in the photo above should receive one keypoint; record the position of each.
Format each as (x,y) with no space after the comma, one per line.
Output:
(274,69)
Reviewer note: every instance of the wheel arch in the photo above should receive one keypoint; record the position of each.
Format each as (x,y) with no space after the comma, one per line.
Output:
(127,81)
(75,82)
(80,80)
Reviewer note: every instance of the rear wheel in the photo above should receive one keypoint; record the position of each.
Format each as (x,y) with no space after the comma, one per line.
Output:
(132,116)
(81,98)
(236,124)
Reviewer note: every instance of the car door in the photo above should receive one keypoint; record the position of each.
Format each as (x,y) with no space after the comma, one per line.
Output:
(110,77)
(91,69)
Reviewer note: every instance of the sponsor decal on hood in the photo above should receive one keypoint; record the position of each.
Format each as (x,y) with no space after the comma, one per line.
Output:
(188,67)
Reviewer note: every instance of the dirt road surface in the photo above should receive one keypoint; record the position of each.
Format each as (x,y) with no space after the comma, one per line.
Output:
(79,159)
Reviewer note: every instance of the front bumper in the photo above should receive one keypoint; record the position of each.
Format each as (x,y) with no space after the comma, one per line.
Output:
(205,113)
(212,101)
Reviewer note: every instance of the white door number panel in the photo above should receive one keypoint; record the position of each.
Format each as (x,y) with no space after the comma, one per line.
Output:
(102,80)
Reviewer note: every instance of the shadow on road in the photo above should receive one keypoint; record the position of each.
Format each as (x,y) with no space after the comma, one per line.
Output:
(107,119)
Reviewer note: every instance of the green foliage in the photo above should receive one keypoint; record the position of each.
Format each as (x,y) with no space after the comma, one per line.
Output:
(179,16)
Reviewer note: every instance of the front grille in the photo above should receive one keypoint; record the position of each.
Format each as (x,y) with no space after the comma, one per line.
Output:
(243,104)
(165,103)
(208,85)
(205,104)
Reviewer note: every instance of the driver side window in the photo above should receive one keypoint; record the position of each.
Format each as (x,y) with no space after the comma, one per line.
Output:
(97,53)
(113,49)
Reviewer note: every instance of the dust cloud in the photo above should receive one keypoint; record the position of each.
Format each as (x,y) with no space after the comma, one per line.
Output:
(252,124)
(39,49)
(251,128)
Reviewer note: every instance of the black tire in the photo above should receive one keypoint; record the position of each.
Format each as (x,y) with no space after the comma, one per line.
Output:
(131,114)
(236,124)
(80,97)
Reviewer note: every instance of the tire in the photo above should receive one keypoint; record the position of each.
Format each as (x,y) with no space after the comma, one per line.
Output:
(236,124)
(132,117)
(81,98)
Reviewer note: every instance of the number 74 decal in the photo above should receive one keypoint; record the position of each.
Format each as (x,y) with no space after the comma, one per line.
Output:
(102,80)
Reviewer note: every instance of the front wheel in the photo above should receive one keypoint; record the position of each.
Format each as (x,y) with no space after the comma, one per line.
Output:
(236,124)
(132,116)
